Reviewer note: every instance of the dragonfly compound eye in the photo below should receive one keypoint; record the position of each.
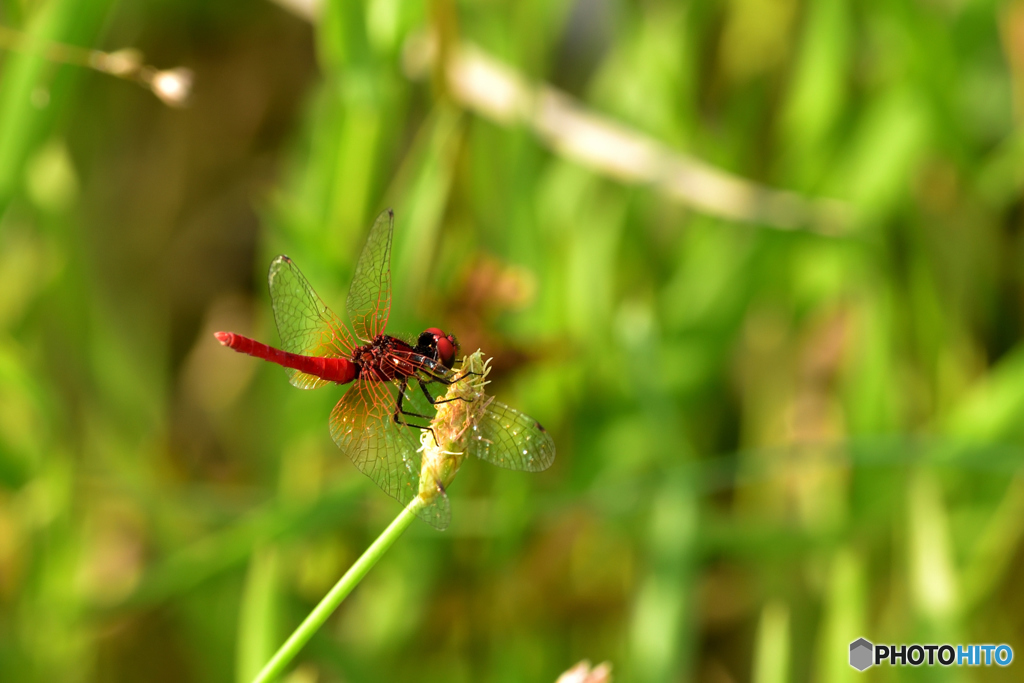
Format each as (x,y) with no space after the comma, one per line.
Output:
(442,345)
(447,349)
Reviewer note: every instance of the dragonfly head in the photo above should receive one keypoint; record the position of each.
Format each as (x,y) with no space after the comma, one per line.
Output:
(435,343)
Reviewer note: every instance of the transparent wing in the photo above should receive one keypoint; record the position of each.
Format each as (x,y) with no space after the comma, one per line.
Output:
(509,439)
(369,299)
(305,323)
(411,363)
(386,452)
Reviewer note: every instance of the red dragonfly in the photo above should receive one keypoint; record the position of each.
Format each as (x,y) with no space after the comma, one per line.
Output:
(370,422)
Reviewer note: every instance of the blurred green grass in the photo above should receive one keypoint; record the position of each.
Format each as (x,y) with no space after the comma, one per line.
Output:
(770,442)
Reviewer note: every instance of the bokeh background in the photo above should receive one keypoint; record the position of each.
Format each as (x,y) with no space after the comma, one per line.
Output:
(758,265)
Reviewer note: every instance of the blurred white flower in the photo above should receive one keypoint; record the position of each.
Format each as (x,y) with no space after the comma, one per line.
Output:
(172,86)
(582,673)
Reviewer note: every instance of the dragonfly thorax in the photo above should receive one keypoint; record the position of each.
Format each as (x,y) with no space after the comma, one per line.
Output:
(388,358)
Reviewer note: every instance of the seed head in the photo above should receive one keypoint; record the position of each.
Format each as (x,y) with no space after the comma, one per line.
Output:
(464,406)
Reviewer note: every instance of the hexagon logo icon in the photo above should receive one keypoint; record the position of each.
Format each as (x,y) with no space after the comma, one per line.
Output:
(860,654)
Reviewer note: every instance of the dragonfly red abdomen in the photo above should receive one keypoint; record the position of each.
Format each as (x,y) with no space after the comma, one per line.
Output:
(340,370)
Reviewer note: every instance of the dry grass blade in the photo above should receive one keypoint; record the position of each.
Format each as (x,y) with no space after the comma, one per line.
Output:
(172,86)
(493,90)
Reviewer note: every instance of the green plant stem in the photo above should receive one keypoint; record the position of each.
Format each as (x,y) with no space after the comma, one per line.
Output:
(286,653)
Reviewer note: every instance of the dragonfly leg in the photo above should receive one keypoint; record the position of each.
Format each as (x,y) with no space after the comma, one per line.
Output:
(399,410)
(426,364)
(401,396)
(439,401)
(449,382)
